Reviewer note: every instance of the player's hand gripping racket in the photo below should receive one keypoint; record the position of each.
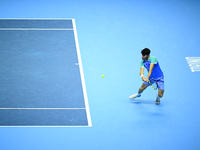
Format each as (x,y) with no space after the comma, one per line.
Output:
(153,83)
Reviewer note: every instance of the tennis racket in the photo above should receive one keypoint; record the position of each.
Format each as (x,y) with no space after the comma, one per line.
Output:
(153,83)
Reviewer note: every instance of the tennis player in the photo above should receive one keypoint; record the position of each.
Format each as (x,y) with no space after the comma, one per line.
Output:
(154,71)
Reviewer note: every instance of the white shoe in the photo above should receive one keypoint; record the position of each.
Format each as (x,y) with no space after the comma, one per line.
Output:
(134,96)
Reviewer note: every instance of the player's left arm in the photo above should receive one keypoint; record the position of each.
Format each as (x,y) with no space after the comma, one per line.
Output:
(150,71)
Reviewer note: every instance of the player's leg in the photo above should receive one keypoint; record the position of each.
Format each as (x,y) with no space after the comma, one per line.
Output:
(160,93)
(141,89)
(159,96)
(160,90)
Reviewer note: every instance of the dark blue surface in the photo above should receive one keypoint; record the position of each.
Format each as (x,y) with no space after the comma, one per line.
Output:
(43,117)
(38,70)
(41,23)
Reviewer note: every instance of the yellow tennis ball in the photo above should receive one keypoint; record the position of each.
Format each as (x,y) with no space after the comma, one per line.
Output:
(102,76)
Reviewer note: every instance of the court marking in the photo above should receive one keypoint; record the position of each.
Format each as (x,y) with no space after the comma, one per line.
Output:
(194,63)
(82,75)
(35,19)
(80,68)
(35,29)
(42,108)
(44,126)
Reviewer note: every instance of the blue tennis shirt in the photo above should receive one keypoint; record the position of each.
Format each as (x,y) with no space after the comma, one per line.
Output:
(157,72)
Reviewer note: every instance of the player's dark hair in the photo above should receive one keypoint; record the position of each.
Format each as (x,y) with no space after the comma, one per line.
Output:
(145,51)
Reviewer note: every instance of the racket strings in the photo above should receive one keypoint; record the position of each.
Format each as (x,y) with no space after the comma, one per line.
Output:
(153,83)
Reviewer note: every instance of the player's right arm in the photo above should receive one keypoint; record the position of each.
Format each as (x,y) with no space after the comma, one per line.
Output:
(142,73)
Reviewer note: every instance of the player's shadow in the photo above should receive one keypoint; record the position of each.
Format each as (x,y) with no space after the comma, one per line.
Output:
(140,101)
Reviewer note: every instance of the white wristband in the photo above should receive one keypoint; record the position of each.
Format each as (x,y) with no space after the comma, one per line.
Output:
(141,75)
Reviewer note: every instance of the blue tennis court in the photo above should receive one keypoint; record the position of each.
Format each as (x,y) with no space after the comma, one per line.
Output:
(40,75)
(45,104)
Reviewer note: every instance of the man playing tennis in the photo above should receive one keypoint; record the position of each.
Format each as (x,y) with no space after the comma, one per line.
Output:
(154,71)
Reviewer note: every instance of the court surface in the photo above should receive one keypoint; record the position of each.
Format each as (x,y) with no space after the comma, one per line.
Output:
(111,35)
(41,81)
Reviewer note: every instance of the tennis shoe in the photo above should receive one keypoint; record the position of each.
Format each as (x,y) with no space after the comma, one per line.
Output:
(134,96)
(157,100)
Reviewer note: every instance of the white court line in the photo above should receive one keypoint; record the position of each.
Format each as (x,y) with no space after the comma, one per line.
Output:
(42,108)
(35,29)
(44,126)
(35,19)
(82,75)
